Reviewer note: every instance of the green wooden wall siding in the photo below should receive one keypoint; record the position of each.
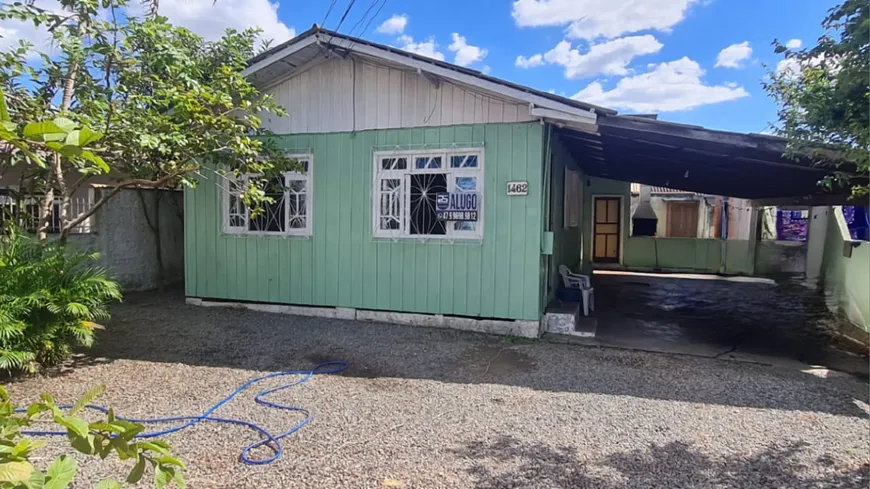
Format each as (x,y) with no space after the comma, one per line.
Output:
(343,265)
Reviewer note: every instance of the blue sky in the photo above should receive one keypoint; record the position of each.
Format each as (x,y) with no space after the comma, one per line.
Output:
(637,56)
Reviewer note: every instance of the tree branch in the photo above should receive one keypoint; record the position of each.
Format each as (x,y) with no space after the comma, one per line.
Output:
(133,182)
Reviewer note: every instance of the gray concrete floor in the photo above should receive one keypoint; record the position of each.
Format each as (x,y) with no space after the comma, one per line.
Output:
(738,318)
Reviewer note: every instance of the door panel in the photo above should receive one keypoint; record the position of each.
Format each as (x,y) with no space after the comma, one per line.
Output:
(682,219)
(606,229)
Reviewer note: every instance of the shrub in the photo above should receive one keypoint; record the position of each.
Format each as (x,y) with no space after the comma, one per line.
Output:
(50,299)
(101,438)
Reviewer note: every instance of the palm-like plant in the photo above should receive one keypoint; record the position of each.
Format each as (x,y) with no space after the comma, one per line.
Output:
(50,299)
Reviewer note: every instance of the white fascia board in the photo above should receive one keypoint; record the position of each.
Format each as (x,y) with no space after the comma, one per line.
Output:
(263,63)
(588,116)
(561,115)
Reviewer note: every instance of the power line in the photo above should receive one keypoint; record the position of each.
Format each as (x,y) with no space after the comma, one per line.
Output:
(373,17)
(328,11)
(341,21)
(365,14)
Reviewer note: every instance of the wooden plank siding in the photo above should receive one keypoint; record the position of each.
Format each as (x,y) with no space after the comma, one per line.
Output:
(351,94)
(342,265)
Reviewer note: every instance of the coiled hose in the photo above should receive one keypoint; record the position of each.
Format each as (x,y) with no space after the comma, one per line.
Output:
(272,440)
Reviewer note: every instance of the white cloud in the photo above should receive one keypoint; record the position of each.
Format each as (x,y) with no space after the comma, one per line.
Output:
(486,69)
(788,65)
(394,25)
(530,62)
(794,44)
(669,87)
(609,58)
(12,31)
(209,19)
(465,53)
(734,55)
(428,48)
(591,19)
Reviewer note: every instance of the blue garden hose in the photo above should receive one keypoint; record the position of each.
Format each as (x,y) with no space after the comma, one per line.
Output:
(273,441)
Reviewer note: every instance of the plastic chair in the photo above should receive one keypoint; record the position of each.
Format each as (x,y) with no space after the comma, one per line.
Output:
(583,284)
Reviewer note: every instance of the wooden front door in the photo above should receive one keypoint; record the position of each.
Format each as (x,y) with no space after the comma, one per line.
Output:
(606,230)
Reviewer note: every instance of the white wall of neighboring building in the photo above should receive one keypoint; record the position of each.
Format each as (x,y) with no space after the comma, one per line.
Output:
(351,94)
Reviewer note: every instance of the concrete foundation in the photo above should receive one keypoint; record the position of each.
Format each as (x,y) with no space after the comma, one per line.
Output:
(525,329)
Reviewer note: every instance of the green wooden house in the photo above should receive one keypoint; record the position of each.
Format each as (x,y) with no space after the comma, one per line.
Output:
(438,195)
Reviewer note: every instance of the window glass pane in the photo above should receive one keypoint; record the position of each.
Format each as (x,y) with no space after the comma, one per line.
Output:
(390,204)
(463,161)
(303,163)
(424,189)
(271,216)
(298,208)
(394,163)
(465,184)
(427,162)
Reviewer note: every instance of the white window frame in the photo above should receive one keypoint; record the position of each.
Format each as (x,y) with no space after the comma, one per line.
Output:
(288,176)
(405,175)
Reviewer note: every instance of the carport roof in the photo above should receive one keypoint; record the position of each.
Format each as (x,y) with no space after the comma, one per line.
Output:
(693,158)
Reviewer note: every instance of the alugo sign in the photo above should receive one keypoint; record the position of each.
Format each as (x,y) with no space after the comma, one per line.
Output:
(457,206)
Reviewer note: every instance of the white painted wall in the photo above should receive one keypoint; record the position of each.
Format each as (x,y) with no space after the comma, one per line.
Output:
(352,94)
(817,230)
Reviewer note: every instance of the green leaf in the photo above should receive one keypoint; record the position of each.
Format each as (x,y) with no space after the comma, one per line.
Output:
(15,471)
(65,124)
(122,447)
(108,484)
(83,444)
(89,396)
(60,473)
(36,481)
(4,111)
(76,425)
(137,471)
(96,160)
(43,131)
(82,137)
(162,476)
(147,445)
(9,126)
(65,149)
(170,460)
(179,479)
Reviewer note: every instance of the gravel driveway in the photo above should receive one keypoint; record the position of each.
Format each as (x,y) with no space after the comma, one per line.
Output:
(421,408)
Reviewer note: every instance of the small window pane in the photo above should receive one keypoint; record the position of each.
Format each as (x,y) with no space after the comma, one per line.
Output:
(466,184)
(464,225)
(427,162)
(390,204)
(394,163)
(463,161)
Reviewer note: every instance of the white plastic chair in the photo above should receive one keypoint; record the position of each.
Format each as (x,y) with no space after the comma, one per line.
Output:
(583,284)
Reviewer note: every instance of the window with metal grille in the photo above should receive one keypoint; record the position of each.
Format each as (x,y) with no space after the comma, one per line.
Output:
(407,184)
(287,213)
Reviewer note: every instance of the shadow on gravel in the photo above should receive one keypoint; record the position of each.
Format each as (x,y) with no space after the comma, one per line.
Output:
(675,464)
(161,328)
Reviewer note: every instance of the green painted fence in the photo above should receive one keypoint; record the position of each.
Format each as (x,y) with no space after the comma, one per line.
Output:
(343,265)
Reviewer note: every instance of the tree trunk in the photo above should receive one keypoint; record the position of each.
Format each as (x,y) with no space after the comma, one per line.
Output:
(56,167)
(154,225)
(45,210)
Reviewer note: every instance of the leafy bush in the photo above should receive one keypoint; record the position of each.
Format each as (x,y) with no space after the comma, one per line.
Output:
(50,298)
(97,439)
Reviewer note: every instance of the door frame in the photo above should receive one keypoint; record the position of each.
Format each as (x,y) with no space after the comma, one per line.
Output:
(622,229)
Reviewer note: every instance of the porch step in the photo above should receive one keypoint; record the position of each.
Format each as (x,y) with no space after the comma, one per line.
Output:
(567,318)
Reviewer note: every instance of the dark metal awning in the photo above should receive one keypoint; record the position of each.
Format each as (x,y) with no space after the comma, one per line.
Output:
(750,166)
